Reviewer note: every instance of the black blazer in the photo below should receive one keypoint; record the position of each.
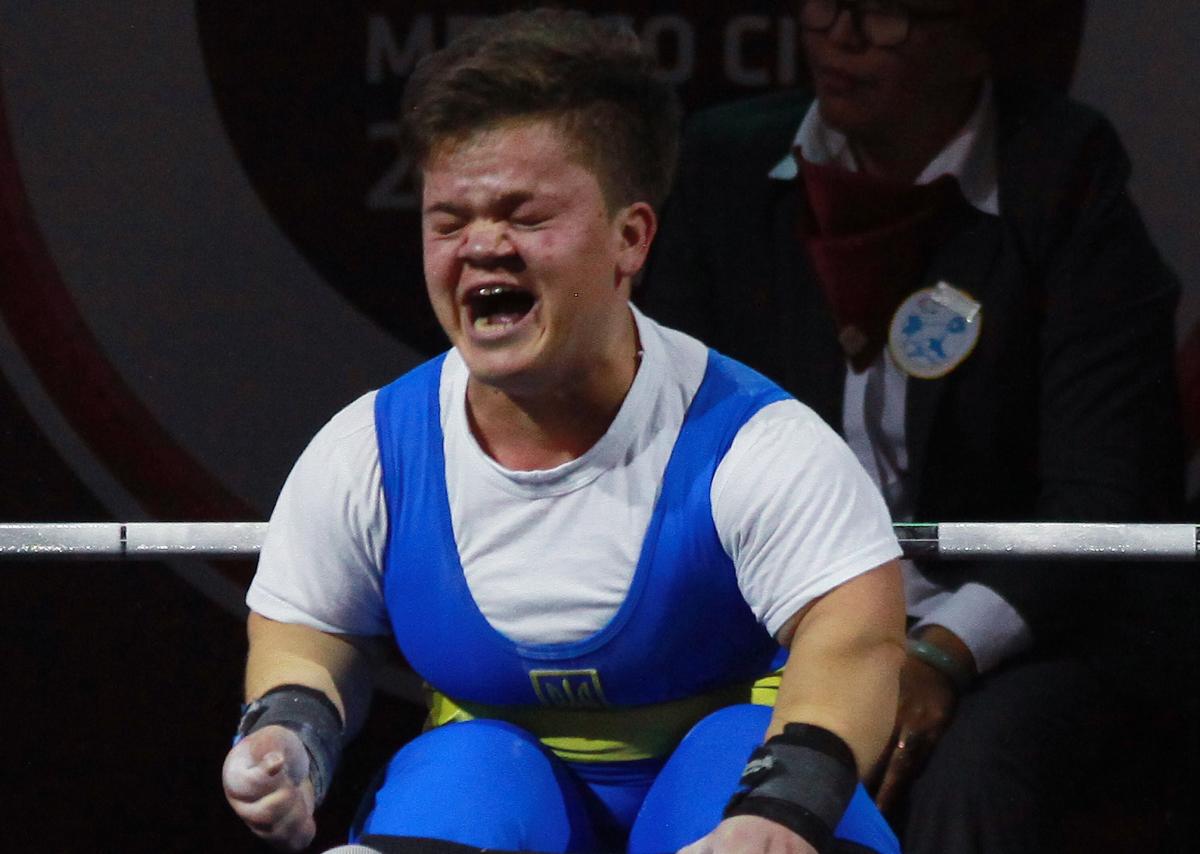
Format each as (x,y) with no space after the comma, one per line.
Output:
(1066,409)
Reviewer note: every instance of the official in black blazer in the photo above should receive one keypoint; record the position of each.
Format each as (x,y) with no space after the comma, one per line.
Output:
(803,253)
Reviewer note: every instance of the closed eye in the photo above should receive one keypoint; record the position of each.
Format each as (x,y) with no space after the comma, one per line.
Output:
(444,226)
(529,222)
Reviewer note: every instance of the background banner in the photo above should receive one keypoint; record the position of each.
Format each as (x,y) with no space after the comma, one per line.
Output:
(208,245)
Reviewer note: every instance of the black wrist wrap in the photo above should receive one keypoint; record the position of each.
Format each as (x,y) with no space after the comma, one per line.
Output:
(803,779)
(312,716)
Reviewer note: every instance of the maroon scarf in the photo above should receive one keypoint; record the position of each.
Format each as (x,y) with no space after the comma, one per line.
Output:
(869,241)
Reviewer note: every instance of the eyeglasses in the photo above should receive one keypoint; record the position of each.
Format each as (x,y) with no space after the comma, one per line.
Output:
(883,23)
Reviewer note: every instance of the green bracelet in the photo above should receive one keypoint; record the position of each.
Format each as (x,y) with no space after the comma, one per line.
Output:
(941,661)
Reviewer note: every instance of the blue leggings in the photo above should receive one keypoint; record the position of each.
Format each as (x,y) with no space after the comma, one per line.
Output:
(489,784)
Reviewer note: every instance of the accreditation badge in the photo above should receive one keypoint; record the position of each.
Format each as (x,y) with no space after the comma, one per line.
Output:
(934,330)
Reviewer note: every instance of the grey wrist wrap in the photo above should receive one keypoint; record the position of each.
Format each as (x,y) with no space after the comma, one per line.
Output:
(803,779)
(312,716)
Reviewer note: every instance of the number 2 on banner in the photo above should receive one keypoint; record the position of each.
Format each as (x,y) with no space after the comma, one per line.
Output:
(395,189)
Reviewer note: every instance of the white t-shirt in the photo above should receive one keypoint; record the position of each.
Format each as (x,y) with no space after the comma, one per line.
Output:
(549,555)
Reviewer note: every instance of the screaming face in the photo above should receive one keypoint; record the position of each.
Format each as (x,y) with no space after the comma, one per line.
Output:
(526,266)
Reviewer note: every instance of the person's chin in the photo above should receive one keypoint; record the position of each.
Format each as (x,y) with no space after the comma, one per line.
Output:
(506,367)
(848,115)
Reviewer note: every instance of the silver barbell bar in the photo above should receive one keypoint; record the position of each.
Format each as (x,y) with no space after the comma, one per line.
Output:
(1092,541)
(137,540)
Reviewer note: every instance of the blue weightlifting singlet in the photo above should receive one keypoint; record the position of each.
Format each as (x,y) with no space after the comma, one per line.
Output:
(684,628)
(683,633)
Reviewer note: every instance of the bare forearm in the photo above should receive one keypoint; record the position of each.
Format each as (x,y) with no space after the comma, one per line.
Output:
(844,664)
(337,665)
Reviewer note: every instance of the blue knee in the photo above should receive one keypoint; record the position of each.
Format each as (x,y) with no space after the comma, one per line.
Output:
(688,798)
(484,783)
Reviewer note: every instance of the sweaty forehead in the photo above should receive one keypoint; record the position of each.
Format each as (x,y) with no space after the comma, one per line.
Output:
(529,158)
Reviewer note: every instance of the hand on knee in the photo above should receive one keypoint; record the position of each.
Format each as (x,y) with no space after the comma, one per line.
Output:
(750,833)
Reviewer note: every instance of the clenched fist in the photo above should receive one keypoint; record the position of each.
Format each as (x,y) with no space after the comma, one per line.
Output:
(266,782)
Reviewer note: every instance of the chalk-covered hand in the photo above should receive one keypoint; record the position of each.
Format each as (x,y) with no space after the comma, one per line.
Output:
(750,834)
(267,784)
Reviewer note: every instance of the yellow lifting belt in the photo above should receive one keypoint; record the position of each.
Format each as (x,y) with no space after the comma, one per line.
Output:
(608,734)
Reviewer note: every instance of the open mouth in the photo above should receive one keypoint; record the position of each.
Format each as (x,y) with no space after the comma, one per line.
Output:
(495,307)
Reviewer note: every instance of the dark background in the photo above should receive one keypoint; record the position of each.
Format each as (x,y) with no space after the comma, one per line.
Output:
(121,688)
(121,681)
